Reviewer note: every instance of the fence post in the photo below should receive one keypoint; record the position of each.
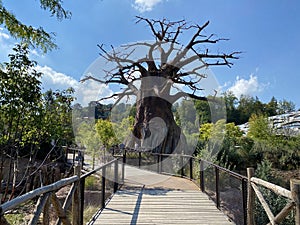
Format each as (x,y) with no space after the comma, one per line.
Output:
(295,190)
(123,165)
(202,186)
(158,163)
(67,152)
(116,179)
(217,187)
(244,193)
(103,187)
(181,166)
(140,159)
(82,188)
(161,169)
(76,202)
(250,198)
(191,168)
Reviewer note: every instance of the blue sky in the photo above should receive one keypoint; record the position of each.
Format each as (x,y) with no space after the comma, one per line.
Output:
(267,32)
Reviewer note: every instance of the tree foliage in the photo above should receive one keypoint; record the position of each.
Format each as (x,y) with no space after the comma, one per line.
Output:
(29,120)
(28,34)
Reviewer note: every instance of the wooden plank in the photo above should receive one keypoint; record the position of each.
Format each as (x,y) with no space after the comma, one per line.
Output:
(156,207)
(150,198)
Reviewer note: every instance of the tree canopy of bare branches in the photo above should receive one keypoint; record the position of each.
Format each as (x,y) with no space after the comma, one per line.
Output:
(161,71)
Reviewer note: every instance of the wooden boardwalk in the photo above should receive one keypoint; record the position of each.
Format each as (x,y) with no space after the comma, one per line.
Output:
(152,199)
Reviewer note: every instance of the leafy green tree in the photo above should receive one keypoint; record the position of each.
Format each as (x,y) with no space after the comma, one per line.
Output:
(106,133)
(285,106)
(203,111)
(259,128)
(29,119)
(88,138)
(123,130)
(281,150)
(231,102)
(272,107)
(20,99)
(211,136)
(57,116)
(36,37)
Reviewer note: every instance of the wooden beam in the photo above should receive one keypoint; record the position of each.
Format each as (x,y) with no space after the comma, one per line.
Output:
(264,204)
(39,208)
(273,187)
(37,192)
(283,213)
(67,201)
(59,210)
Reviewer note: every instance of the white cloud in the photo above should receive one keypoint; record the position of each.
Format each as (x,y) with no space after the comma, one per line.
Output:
(3,35)
(247,87)
(6,44)
(145,5)
(84,92)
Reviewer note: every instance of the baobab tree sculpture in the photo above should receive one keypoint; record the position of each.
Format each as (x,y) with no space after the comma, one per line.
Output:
(159,73)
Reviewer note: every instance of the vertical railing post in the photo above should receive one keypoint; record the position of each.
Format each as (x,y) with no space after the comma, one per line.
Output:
(250,198)
(244,197)
(181,166)
(76,202)
(116,178)
(158,163)
(123,165)
(191,168)
(82,187)
(295,190)
(103,187)
(217,174)
(73,156)
(161,163)
(67,152)
(202,186)
(140,158)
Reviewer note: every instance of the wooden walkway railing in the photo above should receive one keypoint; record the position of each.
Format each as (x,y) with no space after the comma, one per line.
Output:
(217,182)
(292,195)
(75,197)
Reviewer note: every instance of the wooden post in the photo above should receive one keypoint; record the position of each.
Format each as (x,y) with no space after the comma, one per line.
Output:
(82,187)
(250,198)
(295,190)
(103,187)
(158,162)
(116,178)
(123,165)
(46,216)
(182,166)
(217,174)
(202,186)
(191,168)
(76,200)
(244,192)
(140,159)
